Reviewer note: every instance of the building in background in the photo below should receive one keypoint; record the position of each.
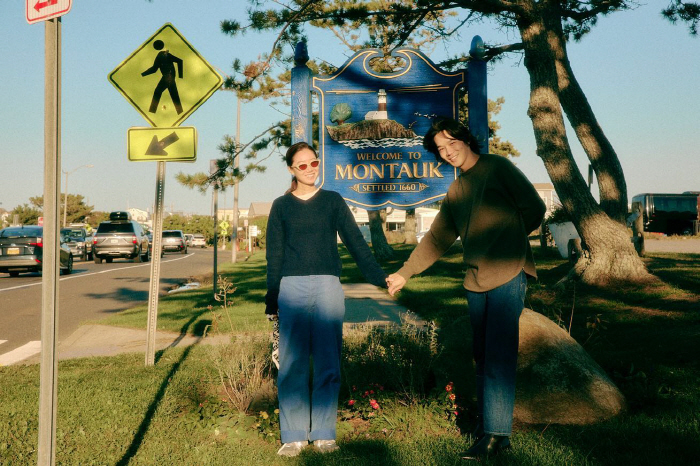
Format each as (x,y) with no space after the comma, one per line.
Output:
(259,209)
(548,195)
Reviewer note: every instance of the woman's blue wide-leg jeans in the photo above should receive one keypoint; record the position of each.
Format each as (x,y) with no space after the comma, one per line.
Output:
(311,312)
(495,315)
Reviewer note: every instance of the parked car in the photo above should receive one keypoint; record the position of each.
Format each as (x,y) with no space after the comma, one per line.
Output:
(198,240)
(21,250)
(188,239)
(120,237)
(174,240)
(79,242)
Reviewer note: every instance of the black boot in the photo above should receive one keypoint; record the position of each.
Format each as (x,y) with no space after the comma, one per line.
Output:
(489,445)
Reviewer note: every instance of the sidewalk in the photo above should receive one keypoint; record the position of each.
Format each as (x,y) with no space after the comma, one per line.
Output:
(364,304)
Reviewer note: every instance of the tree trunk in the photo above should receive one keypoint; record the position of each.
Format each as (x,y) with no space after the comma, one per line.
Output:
(409,229)
(608,256)
(612,187)
(380,245)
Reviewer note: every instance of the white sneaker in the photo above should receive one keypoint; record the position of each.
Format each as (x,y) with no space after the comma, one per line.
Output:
(291,448)
(326,446)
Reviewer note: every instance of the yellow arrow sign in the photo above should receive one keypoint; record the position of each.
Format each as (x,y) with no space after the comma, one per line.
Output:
(162,144)
(165,79)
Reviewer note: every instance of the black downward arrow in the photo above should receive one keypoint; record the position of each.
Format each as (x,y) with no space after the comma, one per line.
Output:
(157,147)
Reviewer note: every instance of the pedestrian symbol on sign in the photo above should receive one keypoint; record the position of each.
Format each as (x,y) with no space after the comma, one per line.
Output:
(165,62)
(174,66)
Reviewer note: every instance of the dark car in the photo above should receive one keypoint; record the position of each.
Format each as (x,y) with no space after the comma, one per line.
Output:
(174,240)
(120,237)
(21,250)
(150,244)
(79,242)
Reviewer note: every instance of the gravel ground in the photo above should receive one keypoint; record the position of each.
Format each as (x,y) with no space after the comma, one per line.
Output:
(682,245)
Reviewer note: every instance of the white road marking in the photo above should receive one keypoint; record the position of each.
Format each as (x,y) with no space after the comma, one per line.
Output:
(21,353)
(2,341)
(82,275)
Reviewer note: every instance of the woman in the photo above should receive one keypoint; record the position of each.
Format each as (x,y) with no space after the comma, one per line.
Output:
(303,270)
(492,206)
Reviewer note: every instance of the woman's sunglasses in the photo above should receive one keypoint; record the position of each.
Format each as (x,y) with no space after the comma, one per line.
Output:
(303,166)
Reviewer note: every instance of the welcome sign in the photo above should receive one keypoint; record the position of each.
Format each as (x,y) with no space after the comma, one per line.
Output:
(372,125)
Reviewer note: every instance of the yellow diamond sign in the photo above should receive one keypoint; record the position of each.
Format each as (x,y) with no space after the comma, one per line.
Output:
(166,79)
(178,144)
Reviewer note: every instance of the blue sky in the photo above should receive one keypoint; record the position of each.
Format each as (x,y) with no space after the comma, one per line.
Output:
(639,72)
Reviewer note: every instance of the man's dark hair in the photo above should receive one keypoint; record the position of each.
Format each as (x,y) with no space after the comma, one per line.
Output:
(455,129)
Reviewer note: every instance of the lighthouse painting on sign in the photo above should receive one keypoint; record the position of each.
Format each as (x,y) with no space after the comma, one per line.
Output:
(371,128)
(376,130)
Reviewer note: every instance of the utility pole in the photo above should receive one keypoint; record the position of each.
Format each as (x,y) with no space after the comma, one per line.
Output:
(65,188)
(234,235)
(213,168)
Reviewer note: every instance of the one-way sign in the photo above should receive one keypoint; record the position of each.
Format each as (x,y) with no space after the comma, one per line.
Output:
(42,10)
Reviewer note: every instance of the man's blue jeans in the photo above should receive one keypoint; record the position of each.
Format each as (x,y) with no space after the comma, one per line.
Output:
(311,312)
(495,315)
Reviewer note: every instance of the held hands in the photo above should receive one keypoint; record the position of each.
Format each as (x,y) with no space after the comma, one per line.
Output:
(395,282)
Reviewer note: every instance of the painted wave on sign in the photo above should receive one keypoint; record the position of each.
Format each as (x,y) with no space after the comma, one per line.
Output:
(383,143)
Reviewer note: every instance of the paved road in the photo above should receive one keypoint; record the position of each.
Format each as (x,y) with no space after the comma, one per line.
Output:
(93,291)
(687,245)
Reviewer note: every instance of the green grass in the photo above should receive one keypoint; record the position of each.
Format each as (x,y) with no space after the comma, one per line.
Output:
(115,411)
(190,312)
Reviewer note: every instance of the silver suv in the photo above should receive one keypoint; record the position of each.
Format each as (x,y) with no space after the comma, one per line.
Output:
(174,240)
(120,237)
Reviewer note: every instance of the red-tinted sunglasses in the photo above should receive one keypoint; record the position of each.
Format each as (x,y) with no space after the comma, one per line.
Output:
(304,166)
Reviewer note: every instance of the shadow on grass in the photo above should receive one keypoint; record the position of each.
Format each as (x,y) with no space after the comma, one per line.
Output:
(667,267)
(608,443)
(198,330)
(355,452)
(152,408)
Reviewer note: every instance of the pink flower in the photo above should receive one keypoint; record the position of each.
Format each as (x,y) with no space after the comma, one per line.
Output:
(452,396)
(374,404)
(351,402)
(456,413)
(448,388)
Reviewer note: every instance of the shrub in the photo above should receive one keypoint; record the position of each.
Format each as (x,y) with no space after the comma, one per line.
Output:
(244,370)
(397,358)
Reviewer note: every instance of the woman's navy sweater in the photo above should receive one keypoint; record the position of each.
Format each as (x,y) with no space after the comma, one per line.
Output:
(302,240)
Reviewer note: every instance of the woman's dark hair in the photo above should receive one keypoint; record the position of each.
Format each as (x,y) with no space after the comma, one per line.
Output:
(289,158)
(455,129)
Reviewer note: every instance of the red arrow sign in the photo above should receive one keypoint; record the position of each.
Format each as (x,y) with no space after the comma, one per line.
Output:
(39,5)
(43,10)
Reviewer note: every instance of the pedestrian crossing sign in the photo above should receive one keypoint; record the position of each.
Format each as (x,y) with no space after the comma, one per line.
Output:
(165,79)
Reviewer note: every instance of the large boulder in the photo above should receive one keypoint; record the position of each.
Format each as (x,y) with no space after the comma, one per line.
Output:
(557,381)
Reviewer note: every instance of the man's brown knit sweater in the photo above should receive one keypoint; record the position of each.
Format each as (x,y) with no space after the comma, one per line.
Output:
(492,207)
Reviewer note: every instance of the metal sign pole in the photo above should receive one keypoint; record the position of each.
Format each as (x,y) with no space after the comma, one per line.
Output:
(52,188)
(155,268)
(216,238)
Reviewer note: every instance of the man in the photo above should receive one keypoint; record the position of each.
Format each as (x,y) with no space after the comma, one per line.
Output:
(492,207)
